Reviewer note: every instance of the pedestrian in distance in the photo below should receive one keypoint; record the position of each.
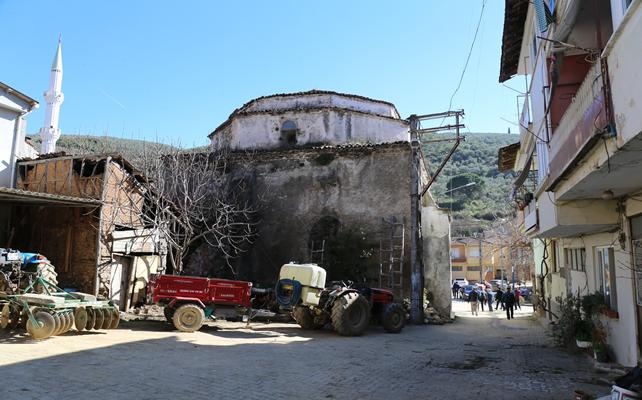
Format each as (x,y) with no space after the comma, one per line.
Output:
(481,295)
(509,303)
(455,290)
(473,300)
(518,298)
(500,298)
(489,299)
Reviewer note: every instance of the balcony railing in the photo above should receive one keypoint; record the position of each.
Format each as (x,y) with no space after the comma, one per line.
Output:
(583,118)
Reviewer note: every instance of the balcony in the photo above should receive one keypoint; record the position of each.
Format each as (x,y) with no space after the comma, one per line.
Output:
(579,127)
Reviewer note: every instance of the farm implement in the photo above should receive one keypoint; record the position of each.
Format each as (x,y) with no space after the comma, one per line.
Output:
(29,300)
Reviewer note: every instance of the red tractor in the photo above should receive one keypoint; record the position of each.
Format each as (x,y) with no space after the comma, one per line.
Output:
(301,289)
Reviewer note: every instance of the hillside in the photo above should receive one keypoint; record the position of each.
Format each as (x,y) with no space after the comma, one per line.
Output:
(474,161)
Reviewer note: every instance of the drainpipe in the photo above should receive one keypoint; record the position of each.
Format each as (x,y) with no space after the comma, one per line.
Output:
(14,148)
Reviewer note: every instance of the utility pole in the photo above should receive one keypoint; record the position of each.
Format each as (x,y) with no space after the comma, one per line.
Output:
(416,266)
(416,254)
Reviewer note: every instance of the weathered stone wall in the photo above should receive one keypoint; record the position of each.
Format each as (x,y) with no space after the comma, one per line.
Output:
(302,191)
(435,225)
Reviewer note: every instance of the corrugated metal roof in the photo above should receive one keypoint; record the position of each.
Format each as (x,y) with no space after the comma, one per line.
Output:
(18,196)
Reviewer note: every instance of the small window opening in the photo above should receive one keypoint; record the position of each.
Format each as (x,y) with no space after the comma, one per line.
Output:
(288,132)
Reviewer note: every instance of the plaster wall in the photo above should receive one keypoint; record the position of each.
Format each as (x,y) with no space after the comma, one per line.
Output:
(327,126)
(623,53)
(8,121)
(326,100)
(622,330)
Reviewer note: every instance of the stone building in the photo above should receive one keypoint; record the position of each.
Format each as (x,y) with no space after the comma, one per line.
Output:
(330,179)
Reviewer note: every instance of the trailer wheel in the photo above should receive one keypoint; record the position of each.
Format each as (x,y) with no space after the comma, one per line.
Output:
(43,327)
(393,318)
(188,318)
(305,318)
(350,314)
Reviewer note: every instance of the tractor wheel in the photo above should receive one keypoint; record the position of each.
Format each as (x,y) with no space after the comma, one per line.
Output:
(48,273)
(168,312)
(188,318)
(393,318)
(350,314)
(305,318)
(43,327)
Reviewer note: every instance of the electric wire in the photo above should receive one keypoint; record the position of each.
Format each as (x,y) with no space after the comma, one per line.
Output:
(470,52)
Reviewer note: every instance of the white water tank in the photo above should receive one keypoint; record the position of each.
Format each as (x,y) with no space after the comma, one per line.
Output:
(311,277)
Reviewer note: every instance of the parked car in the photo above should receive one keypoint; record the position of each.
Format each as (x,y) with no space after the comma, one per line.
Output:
(465,291)
(498,283)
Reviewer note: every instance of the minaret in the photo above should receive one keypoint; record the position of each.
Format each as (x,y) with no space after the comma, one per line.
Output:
(54,98)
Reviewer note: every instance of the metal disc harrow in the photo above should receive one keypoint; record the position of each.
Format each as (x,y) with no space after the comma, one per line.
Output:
(56,312)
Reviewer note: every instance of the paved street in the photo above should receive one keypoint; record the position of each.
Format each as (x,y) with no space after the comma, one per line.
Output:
(486,357)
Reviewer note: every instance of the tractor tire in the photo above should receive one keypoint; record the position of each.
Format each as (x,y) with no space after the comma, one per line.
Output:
(350,314)
(48,273)
(188,318)
(305,318)
(44,326)
(393,318)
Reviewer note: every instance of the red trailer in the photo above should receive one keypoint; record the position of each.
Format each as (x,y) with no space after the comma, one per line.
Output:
(188,300)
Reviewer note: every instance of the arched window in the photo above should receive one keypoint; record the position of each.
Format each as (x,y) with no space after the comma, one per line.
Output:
(288,132)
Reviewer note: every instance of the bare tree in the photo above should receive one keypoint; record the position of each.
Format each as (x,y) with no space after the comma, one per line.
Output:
(192,198)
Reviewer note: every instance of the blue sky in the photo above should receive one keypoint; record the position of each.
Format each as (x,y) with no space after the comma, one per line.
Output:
(173,71)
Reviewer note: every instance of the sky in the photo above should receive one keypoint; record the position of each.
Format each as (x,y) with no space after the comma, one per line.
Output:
(174,71)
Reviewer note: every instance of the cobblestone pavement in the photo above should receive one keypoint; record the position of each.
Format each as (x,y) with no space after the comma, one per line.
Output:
(487,357)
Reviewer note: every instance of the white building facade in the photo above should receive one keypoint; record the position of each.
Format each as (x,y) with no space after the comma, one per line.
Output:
(580,155)
(14,107)
(310,118)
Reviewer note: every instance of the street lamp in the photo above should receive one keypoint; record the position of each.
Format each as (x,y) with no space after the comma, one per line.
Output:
(469,184)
